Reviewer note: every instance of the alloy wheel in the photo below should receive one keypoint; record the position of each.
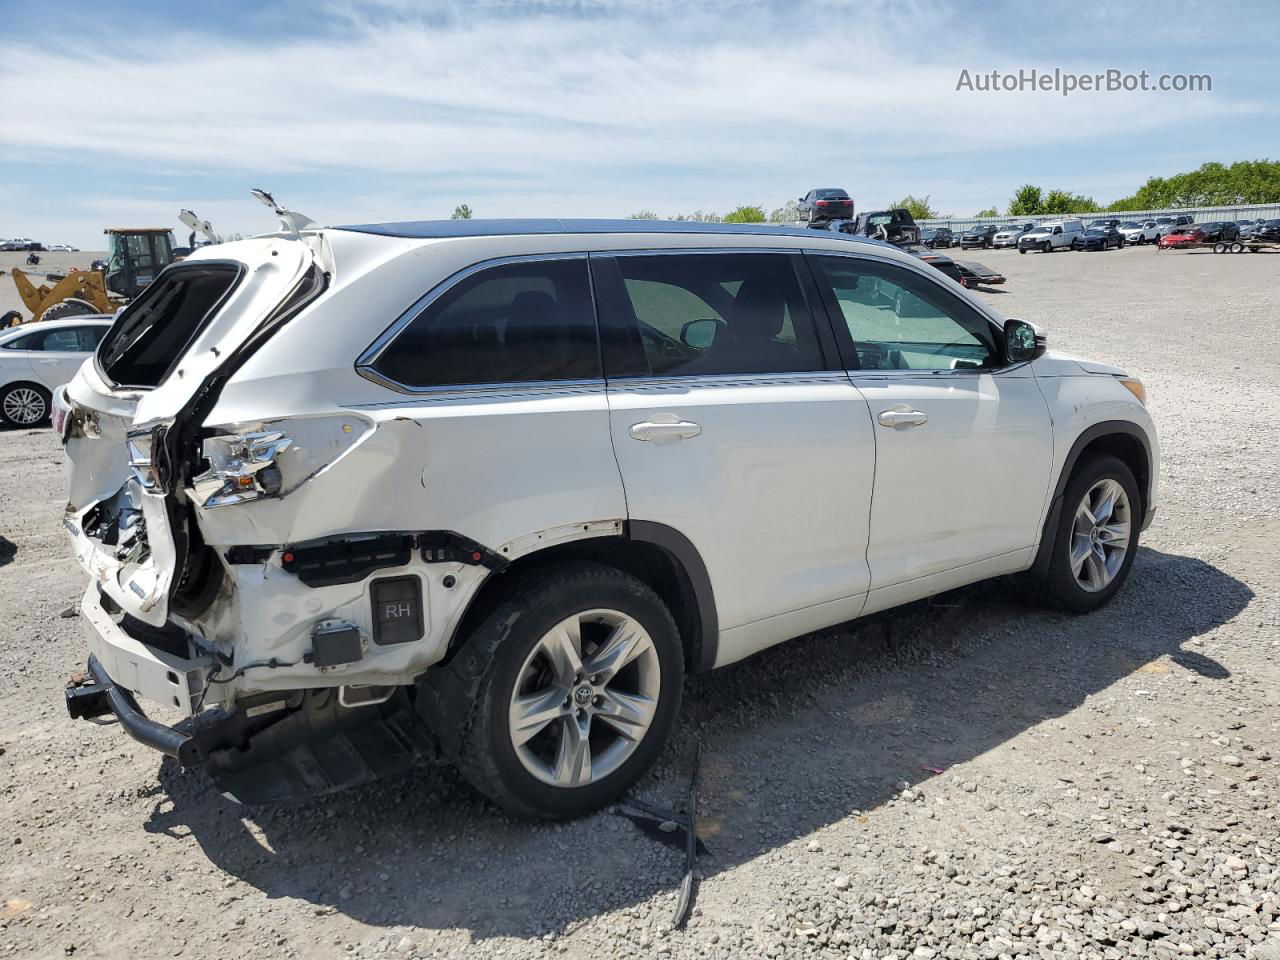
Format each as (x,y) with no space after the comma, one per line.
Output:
(24,406)
(1100,535)
(584,698)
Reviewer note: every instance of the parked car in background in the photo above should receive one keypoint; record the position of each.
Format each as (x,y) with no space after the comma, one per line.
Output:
(826,203)
(36,359)
(979,235)
(1268,231)
(1218,231)
(1140,232)
(935,237)
(19,243)
(1100,238)
(1169,224)
(1179,237)
(1112,223)
(318,487)
(1007,236)
(1051,235)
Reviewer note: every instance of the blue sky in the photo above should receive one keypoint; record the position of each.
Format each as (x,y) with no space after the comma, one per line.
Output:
(360,110)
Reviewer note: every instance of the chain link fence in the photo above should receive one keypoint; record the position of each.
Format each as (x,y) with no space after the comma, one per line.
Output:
(1264,211)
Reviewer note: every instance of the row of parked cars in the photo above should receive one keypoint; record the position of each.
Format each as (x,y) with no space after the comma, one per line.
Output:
(1103,234)
(26,243)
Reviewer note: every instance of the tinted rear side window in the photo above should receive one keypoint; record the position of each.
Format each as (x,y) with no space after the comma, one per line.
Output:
(154,331)
(511,323)
(709,313)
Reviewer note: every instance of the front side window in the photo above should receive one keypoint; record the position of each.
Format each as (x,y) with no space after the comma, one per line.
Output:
(711,314)
(898,320)
(512,323)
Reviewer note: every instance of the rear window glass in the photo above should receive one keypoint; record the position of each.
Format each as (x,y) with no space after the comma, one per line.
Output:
(154,331)
(832,195)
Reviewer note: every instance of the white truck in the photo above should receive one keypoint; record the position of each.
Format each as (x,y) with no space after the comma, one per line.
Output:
(1052,235)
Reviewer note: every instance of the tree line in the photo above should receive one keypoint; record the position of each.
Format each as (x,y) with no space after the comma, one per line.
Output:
(1211,185)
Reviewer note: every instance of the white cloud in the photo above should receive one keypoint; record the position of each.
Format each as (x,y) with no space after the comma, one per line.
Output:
(605,107)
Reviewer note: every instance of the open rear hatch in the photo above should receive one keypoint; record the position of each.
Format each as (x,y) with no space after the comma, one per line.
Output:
(130,419)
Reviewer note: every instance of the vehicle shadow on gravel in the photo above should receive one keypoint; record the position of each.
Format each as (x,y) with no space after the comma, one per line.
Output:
(793,740)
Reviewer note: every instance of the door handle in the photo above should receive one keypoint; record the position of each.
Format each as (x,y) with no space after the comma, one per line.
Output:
(900,416)
(665,432)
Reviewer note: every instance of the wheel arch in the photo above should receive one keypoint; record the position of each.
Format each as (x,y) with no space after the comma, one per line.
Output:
(654,553)
(1123,439)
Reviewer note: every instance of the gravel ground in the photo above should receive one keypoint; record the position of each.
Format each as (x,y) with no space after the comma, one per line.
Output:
(977,778)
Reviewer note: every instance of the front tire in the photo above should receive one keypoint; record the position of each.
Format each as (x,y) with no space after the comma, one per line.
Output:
(584,678)
(1096,536)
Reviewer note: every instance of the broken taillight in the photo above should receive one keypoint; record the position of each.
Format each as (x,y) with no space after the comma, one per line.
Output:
(269,459)
(241,467)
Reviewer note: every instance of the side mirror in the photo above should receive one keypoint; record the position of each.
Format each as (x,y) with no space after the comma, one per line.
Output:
(1021,342)
(700,334)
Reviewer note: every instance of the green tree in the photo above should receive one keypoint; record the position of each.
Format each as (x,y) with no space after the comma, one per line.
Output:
(989,212)
(697,217)
(1062,201)
(643,215)
(461,212)
(745,214)
(787,213)
(918,207)
(1026,202)
(1211,184)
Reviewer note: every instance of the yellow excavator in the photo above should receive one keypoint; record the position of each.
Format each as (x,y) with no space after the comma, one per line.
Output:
(135,257)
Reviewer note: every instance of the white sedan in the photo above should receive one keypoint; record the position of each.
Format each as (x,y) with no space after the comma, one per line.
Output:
(37,358)
(1140,231)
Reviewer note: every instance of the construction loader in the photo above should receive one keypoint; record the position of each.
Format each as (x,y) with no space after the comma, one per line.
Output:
(135,256)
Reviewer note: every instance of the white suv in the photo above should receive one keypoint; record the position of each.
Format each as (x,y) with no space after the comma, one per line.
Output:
(489,490)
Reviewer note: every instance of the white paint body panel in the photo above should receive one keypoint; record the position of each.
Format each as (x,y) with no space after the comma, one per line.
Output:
(965,486)
(772,493)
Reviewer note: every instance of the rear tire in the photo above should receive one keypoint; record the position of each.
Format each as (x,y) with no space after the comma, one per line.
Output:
(24,405)
(1091,560)
(543,757)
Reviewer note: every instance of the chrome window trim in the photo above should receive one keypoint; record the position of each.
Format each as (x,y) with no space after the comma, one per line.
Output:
(364,362)
(668,383)
(676,251)
(484,392)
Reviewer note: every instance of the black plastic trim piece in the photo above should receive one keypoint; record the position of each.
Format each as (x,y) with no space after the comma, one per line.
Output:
(445,546)
(347,559)
(247,554)
(686,554)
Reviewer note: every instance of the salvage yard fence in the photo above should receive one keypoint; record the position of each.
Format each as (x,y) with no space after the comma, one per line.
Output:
(1264,211)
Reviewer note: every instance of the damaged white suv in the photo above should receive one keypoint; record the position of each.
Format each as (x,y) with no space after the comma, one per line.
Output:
(356,497)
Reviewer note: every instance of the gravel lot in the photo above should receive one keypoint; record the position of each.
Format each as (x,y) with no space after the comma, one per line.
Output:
(979,778)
